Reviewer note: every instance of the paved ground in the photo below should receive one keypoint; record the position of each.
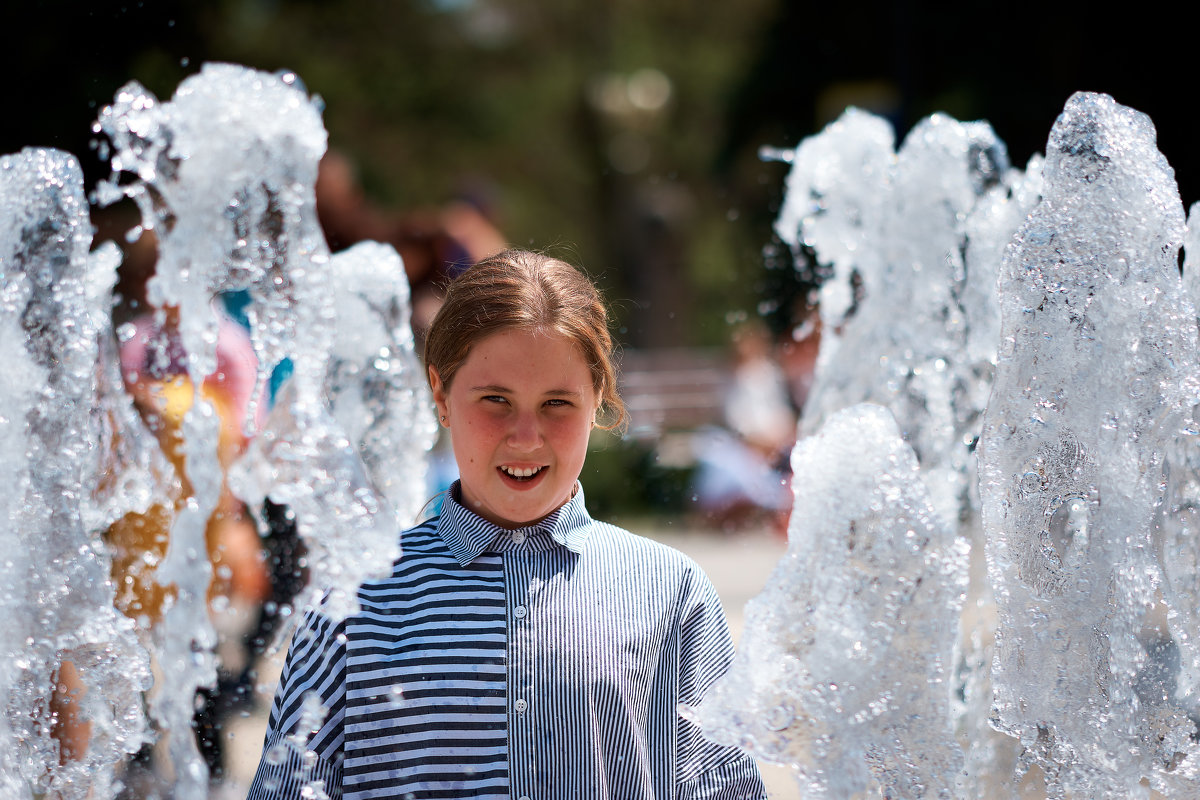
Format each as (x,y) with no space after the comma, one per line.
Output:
(738,565)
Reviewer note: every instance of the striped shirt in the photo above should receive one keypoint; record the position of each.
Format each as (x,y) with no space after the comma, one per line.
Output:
(539,663)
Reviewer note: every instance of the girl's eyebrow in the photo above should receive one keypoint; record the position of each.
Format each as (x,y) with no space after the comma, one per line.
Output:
(496,388)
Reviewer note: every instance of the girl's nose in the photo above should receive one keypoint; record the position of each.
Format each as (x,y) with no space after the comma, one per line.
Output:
(525,433)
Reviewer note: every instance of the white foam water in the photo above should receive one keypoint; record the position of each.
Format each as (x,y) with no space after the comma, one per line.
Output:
(844,671)
(1095,381)
(1033,339)
(63,481)
(224,175)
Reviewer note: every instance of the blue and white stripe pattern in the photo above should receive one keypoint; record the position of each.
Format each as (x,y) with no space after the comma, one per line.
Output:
(539,663)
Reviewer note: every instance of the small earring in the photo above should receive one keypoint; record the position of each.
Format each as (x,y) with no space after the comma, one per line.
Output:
(443,419)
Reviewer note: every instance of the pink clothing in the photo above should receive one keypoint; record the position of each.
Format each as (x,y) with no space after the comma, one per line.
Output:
(143,357)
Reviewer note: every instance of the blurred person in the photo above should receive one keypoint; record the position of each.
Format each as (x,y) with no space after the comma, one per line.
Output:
(435,243)
(798,357)
(154,366)
(757,405)
(152,362)
(744,473)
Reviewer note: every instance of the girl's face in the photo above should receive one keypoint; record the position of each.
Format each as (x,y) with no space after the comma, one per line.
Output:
(520,410)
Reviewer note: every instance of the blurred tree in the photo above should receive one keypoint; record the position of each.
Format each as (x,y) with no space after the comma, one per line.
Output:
(623,134)
(588,128)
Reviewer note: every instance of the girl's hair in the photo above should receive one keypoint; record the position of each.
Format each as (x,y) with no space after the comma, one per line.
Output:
(520,289)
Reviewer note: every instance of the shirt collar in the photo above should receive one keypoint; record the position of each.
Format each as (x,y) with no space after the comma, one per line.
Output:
(467,534)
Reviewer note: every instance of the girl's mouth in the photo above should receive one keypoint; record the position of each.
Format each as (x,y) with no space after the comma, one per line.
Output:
(521,473)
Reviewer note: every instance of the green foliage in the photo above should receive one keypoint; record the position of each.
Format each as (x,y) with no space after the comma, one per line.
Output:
(623,477)
(429,98)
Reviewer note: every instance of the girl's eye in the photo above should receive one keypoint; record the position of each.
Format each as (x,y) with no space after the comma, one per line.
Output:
(493,398)
(558,403)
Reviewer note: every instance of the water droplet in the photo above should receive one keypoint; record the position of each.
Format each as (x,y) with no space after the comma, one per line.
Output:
(1067,526)
(779,718)
(1192,425)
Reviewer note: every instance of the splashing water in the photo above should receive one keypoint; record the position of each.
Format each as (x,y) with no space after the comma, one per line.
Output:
(224,177)
(219,175)
(57,610)
(375,381)
(1095,381)
(923,230)
(1178,527)
(1044,318)
(844,669)
(894,225)
(834,204)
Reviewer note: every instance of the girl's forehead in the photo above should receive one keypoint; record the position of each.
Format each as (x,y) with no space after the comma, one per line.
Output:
(522,336)
(527,356)
(520,341)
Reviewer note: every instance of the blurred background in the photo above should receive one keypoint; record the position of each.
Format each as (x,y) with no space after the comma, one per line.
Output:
(622,135)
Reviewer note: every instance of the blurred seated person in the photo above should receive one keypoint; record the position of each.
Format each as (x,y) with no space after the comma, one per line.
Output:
(758,406)
(744,472)
(798,355)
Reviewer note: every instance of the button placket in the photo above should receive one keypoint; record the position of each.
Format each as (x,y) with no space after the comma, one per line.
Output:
(521,687)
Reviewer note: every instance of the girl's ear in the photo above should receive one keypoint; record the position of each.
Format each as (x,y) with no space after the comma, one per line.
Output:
(439,395)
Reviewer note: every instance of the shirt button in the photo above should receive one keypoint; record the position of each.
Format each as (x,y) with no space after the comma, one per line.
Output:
(520,611)
(519,537)
(520,706)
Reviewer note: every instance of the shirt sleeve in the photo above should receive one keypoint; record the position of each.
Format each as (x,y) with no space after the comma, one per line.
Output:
(705,769)
(304,738)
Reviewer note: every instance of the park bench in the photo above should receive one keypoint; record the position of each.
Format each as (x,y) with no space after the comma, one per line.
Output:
(671,392)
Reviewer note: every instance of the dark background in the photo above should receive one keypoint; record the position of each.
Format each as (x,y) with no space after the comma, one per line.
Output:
(496,101)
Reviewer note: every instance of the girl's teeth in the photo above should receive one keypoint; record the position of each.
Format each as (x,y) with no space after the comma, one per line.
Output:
(517,472)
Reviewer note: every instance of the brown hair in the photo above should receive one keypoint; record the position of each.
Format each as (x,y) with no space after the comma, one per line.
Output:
(520,289)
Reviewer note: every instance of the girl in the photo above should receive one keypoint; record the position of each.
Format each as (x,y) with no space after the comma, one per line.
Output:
(519,648)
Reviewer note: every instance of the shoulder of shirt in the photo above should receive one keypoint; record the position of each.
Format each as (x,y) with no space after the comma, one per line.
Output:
(691,583)
(420,539)
(612,537)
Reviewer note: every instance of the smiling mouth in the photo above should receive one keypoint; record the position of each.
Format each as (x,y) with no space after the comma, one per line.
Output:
(522,473)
